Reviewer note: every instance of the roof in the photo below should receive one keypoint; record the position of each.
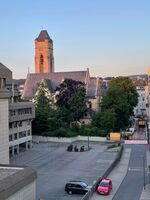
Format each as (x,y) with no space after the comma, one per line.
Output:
(55,78)
(13,179)
(94,87)
(43,36)
(5,73)
(106,180)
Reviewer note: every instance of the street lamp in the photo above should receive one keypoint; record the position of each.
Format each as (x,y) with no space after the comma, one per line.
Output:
(88,142)
(143,171)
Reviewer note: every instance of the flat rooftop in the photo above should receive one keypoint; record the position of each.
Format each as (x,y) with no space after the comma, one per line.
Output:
(14,178)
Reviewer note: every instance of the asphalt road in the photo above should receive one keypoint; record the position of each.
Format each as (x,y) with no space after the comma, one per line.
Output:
(55,166)
(132,185)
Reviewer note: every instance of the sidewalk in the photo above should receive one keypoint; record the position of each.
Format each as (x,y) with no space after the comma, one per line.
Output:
(146,193)
(117,175)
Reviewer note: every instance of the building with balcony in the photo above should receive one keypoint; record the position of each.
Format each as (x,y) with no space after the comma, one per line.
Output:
(17,116)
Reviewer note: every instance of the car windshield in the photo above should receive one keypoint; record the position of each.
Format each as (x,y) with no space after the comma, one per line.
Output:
(84,185)
(103,184)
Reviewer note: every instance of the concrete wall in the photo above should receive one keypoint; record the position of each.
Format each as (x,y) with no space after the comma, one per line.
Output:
(26,193)
(38,139)
(4,132)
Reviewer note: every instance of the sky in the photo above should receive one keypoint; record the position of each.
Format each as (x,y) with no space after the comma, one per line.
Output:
(110,37)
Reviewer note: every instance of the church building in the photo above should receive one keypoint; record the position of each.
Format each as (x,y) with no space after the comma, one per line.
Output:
(44,70)
(44,59)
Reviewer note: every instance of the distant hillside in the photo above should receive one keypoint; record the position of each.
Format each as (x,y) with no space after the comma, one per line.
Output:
(138,75)
(19,81)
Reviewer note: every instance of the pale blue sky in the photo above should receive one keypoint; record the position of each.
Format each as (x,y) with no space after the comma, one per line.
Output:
(111,37)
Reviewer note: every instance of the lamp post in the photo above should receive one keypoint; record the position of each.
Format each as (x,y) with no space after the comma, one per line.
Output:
(88,142)
(143,171)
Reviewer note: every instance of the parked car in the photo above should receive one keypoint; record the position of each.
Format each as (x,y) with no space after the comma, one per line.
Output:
(104,187)
(77,187)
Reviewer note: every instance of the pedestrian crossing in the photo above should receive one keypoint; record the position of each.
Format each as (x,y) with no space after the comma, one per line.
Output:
(135,141)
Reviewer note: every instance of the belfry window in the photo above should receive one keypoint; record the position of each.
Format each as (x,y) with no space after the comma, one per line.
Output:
(41,64)
(41,60)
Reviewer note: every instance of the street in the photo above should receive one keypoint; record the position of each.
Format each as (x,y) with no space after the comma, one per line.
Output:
(133,183)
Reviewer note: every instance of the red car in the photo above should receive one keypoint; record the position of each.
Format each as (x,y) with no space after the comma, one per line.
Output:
(104,187)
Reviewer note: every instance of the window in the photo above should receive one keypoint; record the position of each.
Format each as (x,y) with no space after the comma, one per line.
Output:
(10,138)
(10,125)
(20,123)
(12,112)
(15,124)
(41,63)
(41,59)
(15,136)
(22,134)
(28,132)
(24,111)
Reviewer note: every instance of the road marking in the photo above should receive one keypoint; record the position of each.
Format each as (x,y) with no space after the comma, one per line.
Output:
(136,169)
(135,141)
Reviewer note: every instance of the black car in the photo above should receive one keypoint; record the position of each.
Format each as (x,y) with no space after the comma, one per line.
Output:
(77,187)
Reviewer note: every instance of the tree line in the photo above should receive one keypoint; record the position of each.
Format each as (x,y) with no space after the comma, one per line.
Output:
(59,114)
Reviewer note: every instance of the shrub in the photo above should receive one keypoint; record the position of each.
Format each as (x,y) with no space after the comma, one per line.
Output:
(70,147)
(61,132)
(75,127)
(111,146)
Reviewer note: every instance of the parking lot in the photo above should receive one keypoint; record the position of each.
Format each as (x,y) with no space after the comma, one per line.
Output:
(55,166)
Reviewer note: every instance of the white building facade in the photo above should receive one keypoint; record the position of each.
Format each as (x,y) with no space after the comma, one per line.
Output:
(20,126)
(140,109)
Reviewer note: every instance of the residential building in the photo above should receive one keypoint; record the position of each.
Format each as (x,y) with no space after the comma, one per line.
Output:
(140,109)
(17,116)
(4,127)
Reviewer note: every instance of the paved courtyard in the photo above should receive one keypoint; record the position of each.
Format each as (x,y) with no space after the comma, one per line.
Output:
(55,166)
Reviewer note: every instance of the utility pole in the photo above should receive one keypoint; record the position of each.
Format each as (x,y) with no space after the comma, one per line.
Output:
(143,171)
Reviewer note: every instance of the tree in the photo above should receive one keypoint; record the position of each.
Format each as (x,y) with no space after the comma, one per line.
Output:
(43,96)
(45,115)
(105,120)
(71,98)
(128,87)
(116,100)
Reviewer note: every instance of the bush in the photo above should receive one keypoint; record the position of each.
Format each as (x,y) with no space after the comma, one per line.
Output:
(112,146)
(70,147)
(61,132)
(75,127)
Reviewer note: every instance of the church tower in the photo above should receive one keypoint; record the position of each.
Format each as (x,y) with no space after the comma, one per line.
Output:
(44,60)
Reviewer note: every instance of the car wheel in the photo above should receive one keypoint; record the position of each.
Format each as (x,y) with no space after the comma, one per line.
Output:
(69,192)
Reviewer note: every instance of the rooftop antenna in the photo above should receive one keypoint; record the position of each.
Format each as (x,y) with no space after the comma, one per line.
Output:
(42,28)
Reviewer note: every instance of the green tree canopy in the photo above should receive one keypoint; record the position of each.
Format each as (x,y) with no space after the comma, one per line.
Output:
(43,97)
(128,88)
(116,100)
(71,97)
(105,120)
(45,114)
